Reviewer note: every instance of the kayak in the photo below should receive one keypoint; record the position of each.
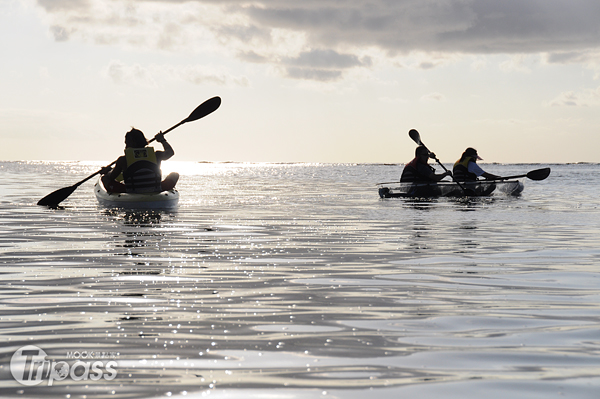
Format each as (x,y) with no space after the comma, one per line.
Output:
(451,189)
(481,188)
(162,200)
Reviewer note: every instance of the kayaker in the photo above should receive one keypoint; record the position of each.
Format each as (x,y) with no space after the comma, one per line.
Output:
(139,168)
(466,168)
(418,170)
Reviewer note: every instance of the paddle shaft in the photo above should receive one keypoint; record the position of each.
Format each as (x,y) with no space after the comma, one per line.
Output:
(509,177)
(538,174)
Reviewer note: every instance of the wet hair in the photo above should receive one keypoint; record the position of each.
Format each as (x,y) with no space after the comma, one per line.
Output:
(420,149)
(135,139)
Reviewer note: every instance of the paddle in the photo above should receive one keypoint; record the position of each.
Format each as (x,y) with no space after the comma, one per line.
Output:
(56,197)
(416,137)
(538,174)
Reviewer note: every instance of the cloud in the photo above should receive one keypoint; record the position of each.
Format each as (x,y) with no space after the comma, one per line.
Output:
(64,5)
(583,98)
(321,39)
(59,33)
(568,98)
(251,56)
(567,57)
(433,97)
(152,76)
(322,65)
(479,64)
(327,59)
(203,75)
(130,74)
(590,59)
(323,75)
(516,63)
(465,26)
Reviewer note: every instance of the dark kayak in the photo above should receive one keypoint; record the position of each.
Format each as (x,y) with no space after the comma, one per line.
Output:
(450,189)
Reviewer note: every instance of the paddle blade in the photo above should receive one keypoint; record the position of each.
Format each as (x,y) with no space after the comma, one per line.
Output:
(415,136)
(539,174)
(207,107)
(58,196)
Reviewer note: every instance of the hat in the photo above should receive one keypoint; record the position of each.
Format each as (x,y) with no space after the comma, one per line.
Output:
(472,152)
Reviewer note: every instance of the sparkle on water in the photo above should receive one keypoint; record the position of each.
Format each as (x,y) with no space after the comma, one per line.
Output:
(296,280)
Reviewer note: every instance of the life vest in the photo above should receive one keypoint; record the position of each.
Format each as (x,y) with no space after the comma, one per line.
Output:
(410,173)
(143,173)
(460,171)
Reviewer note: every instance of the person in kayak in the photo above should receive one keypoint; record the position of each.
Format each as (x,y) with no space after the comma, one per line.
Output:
(139,168)
(466,168)
(418,170)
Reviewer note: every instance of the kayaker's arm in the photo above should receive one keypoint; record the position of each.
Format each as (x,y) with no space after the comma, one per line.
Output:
(120,166)
(489,176)
(474,168)
(168,150)
(109,176)
(436,177)
(428,173)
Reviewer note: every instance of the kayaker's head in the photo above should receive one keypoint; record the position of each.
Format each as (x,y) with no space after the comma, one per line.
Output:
(135,139)
(422,153)
(471,153)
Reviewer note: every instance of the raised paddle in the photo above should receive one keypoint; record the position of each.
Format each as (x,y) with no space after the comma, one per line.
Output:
(538,174)
(56,197)
(417,139)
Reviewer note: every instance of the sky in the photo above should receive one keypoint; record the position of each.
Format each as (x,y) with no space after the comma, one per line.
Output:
(302,81)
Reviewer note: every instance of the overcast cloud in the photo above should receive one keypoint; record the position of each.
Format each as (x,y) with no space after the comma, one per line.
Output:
(320,39)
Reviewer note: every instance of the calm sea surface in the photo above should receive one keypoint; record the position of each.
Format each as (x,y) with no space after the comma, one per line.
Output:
(297,281)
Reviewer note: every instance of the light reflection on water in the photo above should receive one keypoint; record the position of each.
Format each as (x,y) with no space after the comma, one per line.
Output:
(296,280)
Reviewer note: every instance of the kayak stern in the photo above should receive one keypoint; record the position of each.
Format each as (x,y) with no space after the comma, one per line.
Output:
(162,200)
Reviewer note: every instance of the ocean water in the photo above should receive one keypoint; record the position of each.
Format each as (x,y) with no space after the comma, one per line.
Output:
(297,281)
